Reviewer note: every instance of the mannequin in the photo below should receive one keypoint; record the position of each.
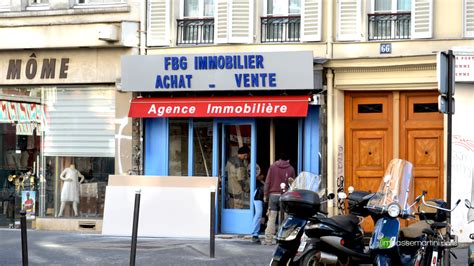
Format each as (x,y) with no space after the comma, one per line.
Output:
(70,191)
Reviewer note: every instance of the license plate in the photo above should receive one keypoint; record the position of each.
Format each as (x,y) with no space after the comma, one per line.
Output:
(303,243)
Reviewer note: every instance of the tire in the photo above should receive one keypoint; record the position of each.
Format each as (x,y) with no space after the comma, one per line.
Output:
(274,262)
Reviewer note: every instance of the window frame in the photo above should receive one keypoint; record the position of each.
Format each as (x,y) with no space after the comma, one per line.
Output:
(192,124)
(286,8)
(200,10)
(87,4)
(393,8)
(33,5)
(394,11)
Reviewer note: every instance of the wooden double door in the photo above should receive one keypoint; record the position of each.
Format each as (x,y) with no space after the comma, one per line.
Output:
(380,126)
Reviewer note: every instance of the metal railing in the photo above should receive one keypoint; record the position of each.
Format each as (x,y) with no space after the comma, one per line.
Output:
(195,31)
(280,29)
(389,26)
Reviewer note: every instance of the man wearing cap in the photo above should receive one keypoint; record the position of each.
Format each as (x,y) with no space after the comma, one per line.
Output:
(238,185)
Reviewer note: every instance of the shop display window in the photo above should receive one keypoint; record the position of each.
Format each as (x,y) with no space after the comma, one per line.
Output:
(178,147)
(202,147)
(95,170)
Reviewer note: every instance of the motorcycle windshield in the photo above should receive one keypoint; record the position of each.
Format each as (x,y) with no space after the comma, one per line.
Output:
(308,181)
(396,187)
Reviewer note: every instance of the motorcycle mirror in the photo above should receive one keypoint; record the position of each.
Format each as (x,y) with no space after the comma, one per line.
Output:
(467,203)
(350,189)
(290,181)
(341,195)
(418,198)
(331,196)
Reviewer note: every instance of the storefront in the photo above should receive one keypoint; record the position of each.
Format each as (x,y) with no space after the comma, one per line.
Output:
(462,171)
(54,114)
(198,109)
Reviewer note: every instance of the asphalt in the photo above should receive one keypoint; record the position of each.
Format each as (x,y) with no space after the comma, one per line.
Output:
(72,248)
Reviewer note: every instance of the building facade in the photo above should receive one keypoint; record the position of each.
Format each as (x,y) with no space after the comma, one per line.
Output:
(379,76)
(60,61)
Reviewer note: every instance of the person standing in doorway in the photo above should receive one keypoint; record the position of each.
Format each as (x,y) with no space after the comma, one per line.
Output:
(278,173)
(258,205)
(238,185)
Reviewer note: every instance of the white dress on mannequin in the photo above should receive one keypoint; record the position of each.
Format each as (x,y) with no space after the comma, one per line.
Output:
(70,190)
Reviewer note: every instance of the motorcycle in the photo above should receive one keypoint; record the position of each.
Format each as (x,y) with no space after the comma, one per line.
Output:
(308,236)
(300,203)
(391,203)
(339,239)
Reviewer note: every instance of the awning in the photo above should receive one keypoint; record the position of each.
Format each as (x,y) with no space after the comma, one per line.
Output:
(238,106)
(20,112)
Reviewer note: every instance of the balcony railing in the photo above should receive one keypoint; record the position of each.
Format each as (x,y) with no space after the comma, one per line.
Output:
(280,29)
(195,31)
(389,26)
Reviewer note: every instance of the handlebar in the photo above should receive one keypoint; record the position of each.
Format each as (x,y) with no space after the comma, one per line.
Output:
(437,207)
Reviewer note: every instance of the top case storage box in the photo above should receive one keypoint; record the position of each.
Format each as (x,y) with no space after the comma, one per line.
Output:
(300,203)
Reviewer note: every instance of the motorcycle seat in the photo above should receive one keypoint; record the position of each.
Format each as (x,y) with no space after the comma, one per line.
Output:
(347,223)
(414,230)
(437,225)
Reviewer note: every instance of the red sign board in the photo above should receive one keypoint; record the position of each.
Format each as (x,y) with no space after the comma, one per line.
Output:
(238,106)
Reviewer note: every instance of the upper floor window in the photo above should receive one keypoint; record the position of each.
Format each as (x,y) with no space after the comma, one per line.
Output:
(98,2)
(282,23)
(38,5)
(197,23)
(391,20)
(38,2)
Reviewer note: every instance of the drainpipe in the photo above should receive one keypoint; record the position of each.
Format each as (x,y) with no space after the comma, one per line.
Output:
(330,37)
(330,140)
(142,29)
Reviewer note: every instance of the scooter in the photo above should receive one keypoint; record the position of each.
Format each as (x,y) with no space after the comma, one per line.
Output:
(300,207)
(300,204)
(391,203)
(339,239)
(309,237)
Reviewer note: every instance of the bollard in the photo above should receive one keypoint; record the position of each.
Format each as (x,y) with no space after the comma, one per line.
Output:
(24,240)
(136,213)
(212,244)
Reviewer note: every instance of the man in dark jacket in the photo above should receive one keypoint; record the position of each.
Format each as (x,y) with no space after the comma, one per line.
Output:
(238,184)
(278,173)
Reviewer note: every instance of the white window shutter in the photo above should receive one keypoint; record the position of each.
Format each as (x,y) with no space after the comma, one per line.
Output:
(349,20)
(421,19)
(221,21)
(241,21)
(158,33)
(311,14)
(468,18)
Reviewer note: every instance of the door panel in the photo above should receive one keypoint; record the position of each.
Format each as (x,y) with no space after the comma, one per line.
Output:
(368,122)
(238,180)
(422,140)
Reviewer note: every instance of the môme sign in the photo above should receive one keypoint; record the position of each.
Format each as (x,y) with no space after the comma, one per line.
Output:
(223,71)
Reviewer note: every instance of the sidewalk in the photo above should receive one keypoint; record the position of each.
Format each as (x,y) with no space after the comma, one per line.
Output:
(66,248)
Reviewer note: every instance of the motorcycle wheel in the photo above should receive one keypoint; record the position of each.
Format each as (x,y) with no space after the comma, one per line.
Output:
(277,263)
